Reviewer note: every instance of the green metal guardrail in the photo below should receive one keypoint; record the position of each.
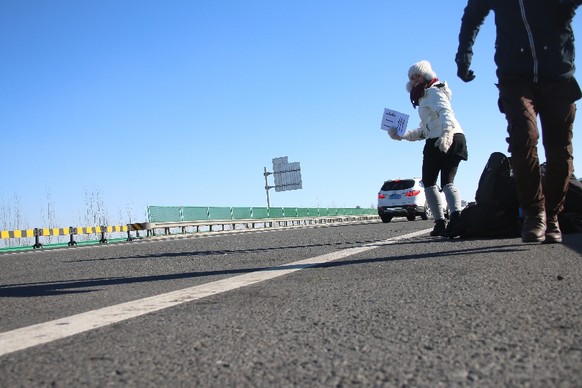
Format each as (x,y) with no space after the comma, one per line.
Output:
(183,217)
(209,213)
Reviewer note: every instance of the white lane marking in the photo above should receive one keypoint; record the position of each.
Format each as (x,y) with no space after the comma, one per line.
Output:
(42,333)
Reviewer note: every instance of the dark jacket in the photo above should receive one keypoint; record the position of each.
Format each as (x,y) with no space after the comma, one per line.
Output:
(534,40)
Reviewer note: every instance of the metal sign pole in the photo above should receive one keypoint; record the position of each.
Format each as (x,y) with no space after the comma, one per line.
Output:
(287,176)
(266,174)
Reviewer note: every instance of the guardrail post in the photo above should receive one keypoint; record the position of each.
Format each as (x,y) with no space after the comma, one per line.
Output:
(72,240)
(103,235)
(37,243)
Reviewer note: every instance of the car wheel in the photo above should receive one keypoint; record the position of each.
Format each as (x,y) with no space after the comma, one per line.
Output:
(386,219)
(411,217)
(427,213)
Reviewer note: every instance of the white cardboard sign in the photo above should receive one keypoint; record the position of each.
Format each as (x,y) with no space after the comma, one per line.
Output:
(394,119)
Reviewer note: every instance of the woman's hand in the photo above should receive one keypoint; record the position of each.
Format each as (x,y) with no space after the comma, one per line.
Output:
(445,141)
(393,133)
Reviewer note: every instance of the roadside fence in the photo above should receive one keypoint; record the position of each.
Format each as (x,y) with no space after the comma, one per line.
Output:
(170,218)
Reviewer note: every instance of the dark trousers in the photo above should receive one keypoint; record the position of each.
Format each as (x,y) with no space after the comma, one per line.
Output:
(435,161)
(554,103)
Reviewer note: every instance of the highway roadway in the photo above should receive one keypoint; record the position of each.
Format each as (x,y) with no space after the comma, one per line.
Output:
(338,305)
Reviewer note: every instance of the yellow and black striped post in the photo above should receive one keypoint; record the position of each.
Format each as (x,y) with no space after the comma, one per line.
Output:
(37,233)
(20,233)
(136,228)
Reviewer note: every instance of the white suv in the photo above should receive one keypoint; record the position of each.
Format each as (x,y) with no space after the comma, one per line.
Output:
(403,198)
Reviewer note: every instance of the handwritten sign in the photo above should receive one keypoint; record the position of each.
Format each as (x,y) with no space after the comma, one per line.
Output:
(394,119)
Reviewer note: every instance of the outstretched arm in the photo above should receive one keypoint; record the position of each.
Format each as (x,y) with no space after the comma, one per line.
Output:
(475,13)
(410,135)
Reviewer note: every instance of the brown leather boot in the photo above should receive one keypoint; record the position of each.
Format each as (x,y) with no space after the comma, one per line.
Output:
(553,232)
(534,226)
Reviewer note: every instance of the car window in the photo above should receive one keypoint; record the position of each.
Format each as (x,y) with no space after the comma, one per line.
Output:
(398,185)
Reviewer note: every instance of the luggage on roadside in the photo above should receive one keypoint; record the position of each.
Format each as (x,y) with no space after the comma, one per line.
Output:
(485,221)
(496,185)
(570,219)
(495,214)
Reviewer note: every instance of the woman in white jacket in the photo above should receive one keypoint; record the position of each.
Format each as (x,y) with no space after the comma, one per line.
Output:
(445,145)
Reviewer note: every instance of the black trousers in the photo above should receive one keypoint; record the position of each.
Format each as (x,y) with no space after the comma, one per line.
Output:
(435,161)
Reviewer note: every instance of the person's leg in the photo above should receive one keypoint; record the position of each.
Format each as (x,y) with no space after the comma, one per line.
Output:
(557,113)
(430,169)
(517,102)
(437,208)
(452,194)
(448,173)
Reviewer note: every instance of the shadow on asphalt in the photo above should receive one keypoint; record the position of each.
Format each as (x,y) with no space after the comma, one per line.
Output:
(572,241)
(92,285)
(428,255)
(221,252)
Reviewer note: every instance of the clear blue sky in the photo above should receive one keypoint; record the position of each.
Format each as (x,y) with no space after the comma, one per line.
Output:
(152,102)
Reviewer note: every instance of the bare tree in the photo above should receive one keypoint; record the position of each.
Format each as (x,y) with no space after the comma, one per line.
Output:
(49,218)
(4,220)
(130,213)
(95,210)
(11,218)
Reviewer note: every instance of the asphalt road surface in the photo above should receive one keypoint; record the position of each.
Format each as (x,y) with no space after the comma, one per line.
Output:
(340,305)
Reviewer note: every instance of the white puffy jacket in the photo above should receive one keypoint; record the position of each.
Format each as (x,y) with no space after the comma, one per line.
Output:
(436,115)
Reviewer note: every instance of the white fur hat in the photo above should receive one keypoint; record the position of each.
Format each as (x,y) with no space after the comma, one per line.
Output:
(421,68)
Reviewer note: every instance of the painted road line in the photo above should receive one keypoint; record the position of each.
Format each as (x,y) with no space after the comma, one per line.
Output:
(42,333)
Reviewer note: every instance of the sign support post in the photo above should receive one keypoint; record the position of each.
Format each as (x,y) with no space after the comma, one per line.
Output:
(267,187)
(287,176)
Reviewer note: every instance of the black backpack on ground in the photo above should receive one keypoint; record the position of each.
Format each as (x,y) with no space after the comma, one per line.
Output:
(571,217)
(496,211)
(496,185)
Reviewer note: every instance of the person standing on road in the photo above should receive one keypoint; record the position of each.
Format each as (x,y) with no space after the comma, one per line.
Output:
(444,148)
(534,54)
